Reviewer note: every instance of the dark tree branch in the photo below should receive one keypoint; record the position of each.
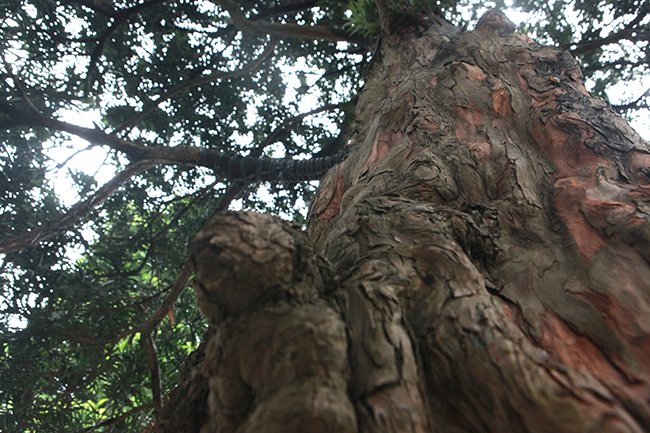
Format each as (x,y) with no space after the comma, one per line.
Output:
(232,167)
(634,105)
(281,129)
(588,46)
(625,33)
(94,136)
(266,13)
(344,69)
(92,6)
(19,373)
(197,82)
(21,90)
(188,269)
(286,8)
(249,169)
(281,30)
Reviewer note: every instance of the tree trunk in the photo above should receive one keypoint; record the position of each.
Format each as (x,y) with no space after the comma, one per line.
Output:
(479,262)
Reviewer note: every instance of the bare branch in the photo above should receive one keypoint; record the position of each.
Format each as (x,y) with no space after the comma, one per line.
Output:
(74,214)
(280,30)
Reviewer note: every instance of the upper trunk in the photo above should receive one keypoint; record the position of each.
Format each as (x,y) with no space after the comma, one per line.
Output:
(490,240)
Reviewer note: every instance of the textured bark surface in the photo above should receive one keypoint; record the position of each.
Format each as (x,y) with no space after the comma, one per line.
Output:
(489,240)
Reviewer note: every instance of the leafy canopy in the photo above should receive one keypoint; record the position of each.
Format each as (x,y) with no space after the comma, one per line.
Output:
(94,321)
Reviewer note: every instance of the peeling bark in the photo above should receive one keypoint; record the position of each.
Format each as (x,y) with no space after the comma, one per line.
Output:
(489,241)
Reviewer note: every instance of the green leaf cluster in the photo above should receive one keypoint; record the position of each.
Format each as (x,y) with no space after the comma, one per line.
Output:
(364,18)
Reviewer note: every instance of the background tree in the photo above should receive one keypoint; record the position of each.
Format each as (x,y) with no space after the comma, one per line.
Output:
(181,89)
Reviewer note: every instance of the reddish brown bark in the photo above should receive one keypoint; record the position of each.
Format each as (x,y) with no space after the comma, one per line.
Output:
(488,235)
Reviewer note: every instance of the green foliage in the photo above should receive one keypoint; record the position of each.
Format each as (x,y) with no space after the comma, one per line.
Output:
(65,369)
(364,18)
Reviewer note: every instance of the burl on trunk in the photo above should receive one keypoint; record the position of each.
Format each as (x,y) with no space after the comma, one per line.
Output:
(479,262)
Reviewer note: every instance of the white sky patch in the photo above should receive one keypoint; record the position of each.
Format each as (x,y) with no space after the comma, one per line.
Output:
(290,75)
(78,157)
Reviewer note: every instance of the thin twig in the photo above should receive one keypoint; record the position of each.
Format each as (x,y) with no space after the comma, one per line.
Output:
(60,165)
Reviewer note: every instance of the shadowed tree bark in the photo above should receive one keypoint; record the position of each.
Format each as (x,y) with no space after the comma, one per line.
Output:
(478,263)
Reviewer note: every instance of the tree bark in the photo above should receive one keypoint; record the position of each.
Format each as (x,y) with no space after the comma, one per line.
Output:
(479,262)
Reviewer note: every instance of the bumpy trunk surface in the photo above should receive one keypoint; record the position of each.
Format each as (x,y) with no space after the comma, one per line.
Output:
(479,262)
